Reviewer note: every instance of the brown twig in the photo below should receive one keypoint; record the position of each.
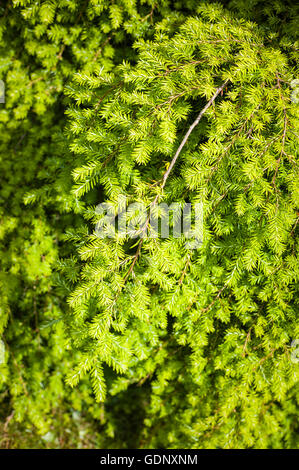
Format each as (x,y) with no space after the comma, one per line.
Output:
(265,358)
(59,57)
(101,48)
(215,299)
(246,342)
(7,421)
(184,271)
(150,15)
(134,260)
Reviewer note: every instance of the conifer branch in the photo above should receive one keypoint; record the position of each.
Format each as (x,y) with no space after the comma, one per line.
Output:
(134,260)
(168,171)
(283,134)
(236,136)
(186,137)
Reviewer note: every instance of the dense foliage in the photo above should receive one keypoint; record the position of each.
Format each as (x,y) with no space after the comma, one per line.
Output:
(125,342)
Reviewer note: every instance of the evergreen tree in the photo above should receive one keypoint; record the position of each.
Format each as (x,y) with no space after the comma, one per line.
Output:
(166,102)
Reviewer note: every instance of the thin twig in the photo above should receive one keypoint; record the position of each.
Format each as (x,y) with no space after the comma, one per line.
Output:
(185,270)
(215,299)
(101,48)
(134,260)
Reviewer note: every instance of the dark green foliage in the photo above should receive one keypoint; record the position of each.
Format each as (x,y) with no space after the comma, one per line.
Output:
(194,344)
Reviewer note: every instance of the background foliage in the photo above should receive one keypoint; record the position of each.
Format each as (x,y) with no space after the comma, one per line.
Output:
(194,350)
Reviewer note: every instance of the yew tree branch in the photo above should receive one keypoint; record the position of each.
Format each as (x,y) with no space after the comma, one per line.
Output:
(186,137)
(167,173)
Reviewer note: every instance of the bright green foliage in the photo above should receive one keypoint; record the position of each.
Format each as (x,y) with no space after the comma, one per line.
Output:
(42,46)
(193,344)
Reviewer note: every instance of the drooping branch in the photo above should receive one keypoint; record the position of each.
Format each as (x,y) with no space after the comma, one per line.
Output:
(186,137)
(167,173)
